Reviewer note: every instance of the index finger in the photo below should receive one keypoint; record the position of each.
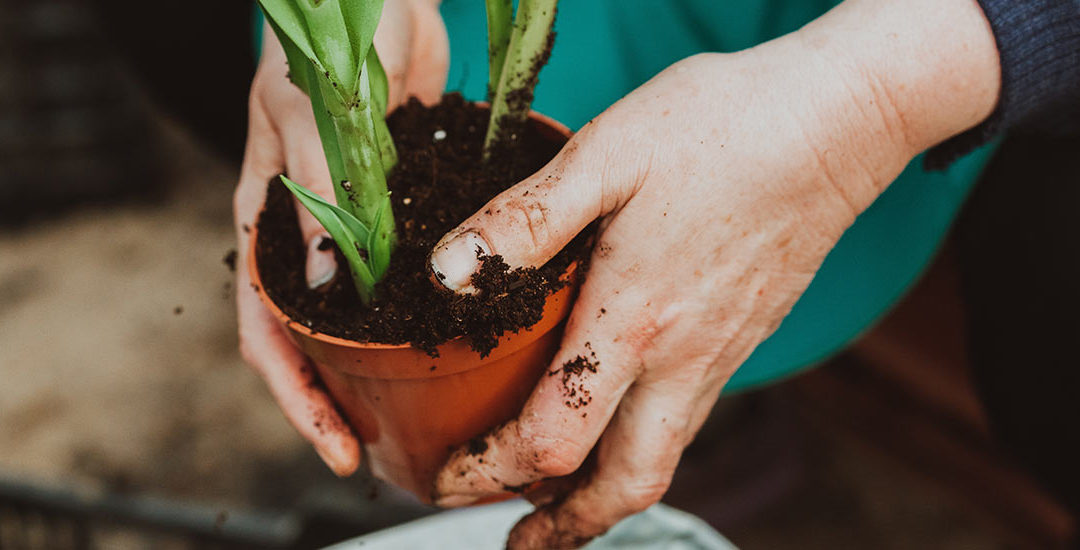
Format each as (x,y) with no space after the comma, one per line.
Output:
(570,406)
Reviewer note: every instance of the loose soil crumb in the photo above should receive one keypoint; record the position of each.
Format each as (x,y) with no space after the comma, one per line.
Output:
(517,489)
(477,446)
(577,395)
(436,185)
(230,260)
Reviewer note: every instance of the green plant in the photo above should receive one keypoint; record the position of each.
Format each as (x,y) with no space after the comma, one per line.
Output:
(516,53)
(328,45)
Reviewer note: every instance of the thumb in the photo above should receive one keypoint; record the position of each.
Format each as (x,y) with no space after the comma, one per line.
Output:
(527,224)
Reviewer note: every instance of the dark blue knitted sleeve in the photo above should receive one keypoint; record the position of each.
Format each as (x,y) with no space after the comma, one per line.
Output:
(1039,45)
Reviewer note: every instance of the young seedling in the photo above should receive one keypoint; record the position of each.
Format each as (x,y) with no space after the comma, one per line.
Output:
(516,53)
(328,45)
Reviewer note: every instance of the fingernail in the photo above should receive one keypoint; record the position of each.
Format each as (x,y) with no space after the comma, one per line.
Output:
(321,265)
(455,262)
(455,501)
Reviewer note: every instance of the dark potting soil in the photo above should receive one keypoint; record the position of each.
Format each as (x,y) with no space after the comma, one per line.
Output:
(437,184)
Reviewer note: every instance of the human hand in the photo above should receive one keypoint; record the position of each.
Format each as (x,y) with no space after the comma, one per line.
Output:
(722,184)
(282,137)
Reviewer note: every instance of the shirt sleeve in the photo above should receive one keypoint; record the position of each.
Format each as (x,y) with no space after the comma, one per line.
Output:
(1038,43)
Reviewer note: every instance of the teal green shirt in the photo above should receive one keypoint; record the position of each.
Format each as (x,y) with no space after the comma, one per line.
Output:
(606,48)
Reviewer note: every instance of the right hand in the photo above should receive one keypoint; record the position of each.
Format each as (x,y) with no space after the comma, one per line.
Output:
(282,138)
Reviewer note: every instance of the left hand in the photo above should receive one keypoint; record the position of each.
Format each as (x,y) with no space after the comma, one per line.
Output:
(282,138)
(722,184)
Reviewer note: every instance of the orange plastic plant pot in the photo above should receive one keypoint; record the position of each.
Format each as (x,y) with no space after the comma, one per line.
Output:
(409,409)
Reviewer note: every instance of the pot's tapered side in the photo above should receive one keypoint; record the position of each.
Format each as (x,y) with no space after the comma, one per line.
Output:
(409,425)
(409,409)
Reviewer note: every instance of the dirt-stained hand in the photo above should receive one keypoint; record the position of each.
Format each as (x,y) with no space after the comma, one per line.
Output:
(721,184)
(412,45)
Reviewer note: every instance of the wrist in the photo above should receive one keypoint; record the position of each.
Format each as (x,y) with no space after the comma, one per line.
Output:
(928,69)
(857,138)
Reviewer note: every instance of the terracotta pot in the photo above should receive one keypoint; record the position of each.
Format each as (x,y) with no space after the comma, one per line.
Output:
(409,409)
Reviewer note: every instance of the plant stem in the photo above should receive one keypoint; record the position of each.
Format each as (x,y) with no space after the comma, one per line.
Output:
(364,155)
(526,54)
(328,44)
(500,15)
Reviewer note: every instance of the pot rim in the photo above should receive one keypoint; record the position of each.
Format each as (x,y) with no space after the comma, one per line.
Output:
(541,120)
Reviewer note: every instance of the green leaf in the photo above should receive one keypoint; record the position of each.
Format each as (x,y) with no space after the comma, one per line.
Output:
(289,25)
(350,234)
(361,20)
(380,84)
(380,92)
(377,243)
(330,40)
(318,205)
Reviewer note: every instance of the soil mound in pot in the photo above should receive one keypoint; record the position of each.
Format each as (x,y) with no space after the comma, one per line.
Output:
(438,183)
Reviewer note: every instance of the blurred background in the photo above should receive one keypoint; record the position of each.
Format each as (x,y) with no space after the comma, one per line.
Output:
(128,420)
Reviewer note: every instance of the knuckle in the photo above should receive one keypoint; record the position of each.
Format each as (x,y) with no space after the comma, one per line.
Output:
(641,333)
(551,456)
(554,458)
(256,97)
(531,216)
(273,94)
(644,492)
(553,462)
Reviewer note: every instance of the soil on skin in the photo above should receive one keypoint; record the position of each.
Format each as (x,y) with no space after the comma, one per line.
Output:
(574,389)
(476,446)
(437,184)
